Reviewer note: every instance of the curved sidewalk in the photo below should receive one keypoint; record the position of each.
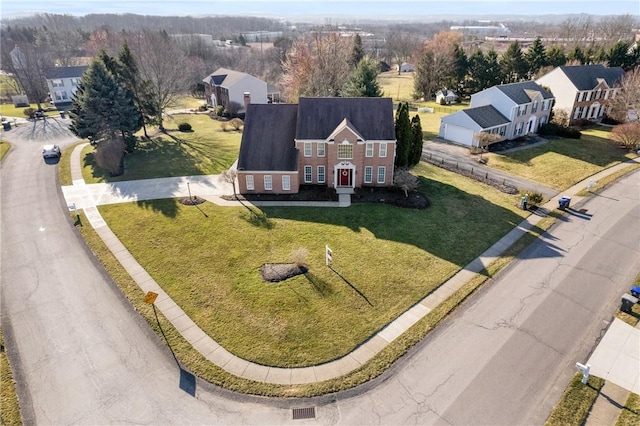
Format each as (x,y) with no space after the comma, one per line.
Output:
(87,197)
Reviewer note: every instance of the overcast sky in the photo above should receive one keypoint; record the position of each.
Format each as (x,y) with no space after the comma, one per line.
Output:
(290,8)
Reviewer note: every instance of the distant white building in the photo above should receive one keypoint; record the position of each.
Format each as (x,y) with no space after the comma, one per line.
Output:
(498,30)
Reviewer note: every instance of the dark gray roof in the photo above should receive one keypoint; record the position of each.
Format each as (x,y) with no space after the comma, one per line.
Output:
(372,117)
(486,116)
(218,79)
(585,77)
(518,91)
(268,138)
(65,72)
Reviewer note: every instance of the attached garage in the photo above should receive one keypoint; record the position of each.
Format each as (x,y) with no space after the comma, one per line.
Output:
(460,127)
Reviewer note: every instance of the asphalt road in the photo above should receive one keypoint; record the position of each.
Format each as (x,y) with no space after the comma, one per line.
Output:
(83,356)
(506,357)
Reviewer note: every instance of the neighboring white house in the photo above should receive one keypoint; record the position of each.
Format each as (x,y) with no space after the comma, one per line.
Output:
(508,110)
(406,67)
(225,86)
(63,83)
(449,96)
(583,91)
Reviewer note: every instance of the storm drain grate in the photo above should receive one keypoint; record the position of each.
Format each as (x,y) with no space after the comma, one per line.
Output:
(304,413)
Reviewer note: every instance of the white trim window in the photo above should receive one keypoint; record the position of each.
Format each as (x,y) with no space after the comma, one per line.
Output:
(382,171)
(249,182)
(75,82)
(345,152)
(519,128)
(321,149)
(308,149)
(268,183)
(308,174)
(321,174)
(57,83)
(577,112)
(534,107)
(522,110)
(382,152)
(368,174)
(286,182)
(369,150)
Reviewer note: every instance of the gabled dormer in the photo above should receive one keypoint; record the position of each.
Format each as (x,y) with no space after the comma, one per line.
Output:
(345,132)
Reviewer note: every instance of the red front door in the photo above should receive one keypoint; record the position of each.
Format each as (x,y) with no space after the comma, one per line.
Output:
(345,177)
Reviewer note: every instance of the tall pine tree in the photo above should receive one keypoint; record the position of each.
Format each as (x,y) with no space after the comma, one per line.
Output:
(102,112)
(513,64)
(363,81)
(416,141)
(403,135)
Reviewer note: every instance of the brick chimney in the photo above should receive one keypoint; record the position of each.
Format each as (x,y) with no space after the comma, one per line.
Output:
(247,100)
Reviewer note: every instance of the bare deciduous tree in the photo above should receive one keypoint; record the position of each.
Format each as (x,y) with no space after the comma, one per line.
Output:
(28,64)
(402,46)
(161,64)
(404,180)
(627,134)
(230,176)
(626,103)
(317,66)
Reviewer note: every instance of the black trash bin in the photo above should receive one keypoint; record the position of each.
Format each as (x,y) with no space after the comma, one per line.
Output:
(61,114)
(627,302)
(563,203)
(6,125)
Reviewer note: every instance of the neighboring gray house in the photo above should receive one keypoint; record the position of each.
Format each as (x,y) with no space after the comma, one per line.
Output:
(63,83)
(583,91)
(406,67)
(516,110)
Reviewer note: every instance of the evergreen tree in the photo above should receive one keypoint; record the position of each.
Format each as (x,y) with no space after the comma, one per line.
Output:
(102,112)
(131,79)
(600,57)
(363,81)
(416,141)
(494,71)
(536,57)
(358,52)
(461,69)
(576,55)
(476,72)
(403,135)
(556,56)
(618,56)
(513,64)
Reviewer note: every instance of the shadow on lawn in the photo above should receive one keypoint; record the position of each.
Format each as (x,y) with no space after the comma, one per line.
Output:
(457,227)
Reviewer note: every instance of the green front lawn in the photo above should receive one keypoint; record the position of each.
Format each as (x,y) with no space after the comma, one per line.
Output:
(385,260)
(630,414)
(206,150)
(399,87)
(9,408)
(561,163)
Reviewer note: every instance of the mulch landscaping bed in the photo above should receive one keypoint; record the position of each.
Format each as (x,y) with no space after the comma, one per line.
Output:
(392,196)
(276,272)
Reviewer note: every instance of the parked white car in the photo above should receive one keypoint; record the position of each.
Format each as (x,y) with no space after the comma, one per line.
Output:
(49,151)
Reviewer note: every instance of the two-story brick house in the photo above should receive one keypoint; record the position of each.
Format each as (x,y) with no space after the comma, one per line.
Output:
(508,110)
(341,143)
(583,91)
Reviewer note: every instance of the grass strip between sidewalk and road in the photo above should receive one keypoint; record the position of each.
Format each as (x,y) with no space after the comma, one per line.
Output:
(630,414)
(9,408)
(574,406)
(4,148)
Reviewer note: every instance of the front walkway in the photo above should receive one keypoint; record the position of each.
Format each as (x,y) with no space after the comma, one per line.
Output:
(87,197)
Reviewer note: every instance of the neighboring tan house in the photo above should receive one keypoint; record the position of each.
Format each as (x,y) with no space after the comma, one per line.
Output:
(341,143)
(507,110)
(63,83)
(225,86)
(446,96)
(583,90)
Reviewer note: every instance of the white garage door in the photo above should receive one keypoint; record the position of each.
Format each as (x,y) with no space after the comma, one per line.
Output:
(458,134)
